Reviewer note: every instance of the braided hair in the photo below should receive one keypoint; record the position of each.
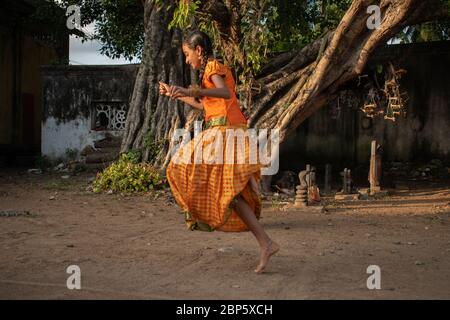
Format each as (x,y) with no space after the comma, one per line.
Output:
(198,38)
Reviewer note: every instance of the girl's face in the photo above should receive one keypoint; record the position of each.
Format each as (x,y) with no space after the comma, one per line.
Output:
(193,56)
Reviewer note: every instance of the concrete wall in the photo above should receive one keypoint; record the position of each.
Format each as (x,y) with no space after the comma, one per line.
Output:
(69,94)
(343,138)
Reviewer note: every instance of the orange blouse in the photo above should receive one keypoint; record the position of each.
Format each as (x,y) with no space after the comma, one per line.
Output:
(218,107)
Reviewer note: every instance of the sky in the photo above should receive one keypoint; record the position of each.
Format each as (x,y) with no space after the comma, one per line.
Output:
(89,52)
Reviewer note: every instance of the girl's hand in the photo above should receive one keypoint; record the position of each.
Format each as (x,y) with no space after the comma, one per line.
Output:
(178,92)
(164,89)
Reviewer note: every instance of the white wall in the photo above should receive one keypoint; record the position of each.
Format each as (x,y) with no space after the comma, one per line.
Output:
(57,138)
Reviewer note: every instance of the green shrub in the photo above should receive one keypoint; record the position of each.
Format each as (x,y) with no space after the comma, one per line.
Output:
(134,156)
(125,175)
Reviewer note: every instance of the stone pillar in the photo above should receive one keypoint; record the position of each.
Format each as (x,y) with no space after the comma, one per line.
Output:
(375,168)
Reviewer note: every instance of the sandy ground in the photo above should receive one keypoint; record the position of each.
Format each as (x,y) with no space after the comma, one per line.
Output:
(137,247)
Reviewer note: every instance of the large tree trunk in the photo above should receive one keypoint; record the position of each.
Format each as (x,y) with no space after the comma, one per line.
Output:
(152,118)
(293,85)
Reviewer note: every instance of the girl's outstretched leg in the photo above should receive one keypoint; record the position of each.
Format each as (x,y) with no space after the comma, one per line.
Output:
(268,247)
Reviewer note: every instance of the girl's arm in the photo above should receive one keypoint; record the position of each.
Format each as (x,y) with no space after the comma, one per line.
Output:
(192,102)
(165,89)
(220,90)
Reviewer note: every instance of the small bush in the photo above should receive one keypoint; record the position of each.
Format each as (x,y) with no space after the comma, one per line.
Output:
(125,175)
(134,156)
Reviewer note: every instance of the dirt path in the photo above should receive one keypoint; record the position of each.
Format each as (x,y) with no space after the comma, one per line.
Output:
(136,247)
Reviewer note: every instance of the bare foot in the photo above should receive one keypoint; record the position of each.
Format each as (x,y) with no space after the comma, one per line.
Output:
(266,253)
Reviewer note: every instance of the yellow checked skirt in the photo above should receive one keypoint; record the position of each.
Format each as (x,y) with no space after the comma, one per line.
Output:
(207,192)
